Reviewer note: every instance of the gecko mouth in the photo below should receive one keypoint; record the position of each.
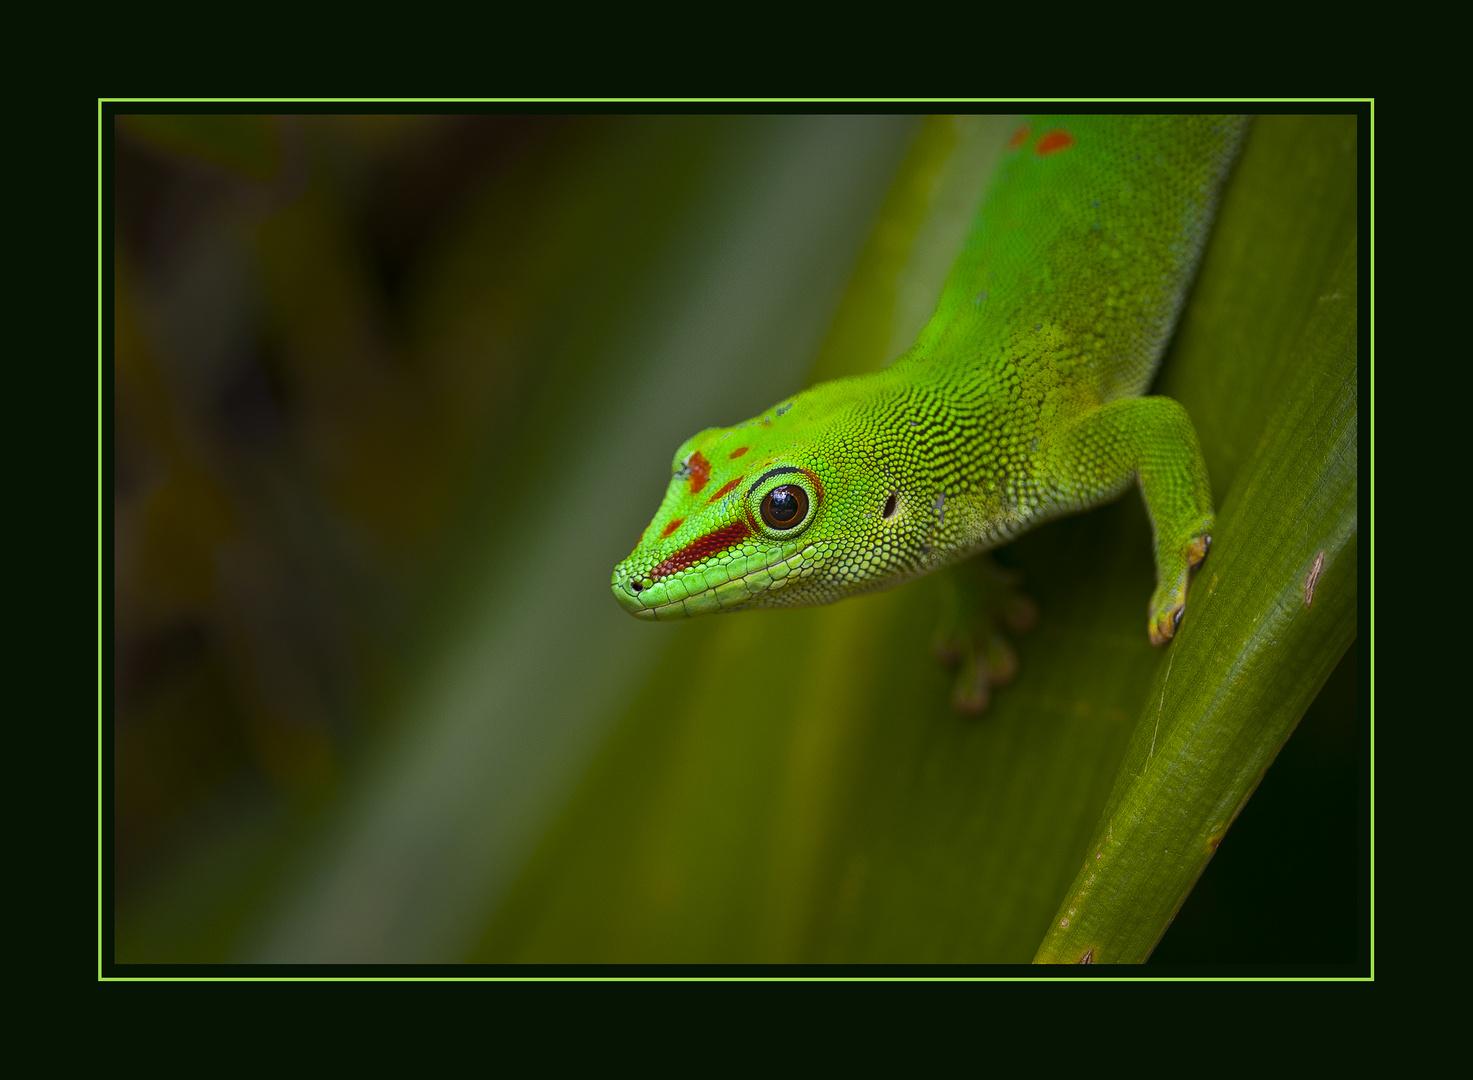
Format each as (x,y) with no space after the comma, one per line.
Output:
(654,601)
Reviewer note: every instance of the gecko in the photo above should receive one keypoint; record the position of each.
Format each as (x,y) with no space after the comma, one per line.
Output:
(1023,399)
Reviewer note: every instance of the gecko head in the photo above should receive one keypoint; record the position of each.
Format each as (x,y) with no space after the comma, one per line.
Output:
(782,510)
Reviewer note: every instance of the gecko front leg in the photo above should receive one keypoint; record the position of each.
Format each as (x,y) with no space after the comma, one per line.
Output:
(1149,439)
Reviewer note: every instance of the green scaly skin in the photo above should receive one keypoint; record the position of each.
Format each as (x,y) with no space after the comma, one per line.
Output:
(1020,402)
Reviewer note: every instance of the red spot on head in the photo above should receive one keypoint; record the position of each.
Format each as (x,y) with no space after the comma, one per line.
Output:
(727,487)
(1019,137)
(1054,141)
(700,472)
(738,452)
(713,543)
(677,523)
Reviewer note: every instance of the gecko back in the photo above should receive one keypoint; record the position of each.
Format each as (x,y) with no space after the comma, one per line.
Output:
(1091,228)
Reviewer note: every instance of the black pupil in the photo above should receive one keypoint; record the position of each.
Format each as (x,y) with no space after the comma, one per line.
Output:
(783,505)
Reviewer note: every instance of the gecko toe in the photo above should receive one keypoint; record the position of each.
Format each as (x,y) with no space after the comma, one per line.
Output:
(1197,551)
(981,601)
(1163,625)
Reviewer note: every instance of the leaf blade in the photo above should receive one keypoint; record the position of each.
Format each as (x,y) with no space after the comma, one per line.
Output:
(1260,642)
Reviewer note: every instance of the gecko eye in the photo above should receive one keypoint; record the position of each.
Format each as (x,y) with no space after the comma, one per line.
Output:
(784,504)
(785,507)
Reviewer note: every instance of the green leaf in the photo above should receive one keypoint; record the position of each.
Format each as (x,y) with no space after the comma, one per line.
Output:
(792,786)
(1254,650)
(1270,618)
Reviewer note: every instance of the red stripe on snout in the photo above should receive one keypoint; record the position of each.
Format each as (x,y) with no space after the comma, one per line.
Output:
(713,543)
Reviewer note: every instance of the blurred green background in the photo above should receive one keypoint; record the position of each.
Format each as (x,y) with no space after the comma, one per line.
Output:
(392,396)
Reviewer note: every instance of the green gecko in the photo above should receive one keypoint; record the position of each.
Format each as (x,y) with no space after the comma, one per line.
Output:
(1020,402)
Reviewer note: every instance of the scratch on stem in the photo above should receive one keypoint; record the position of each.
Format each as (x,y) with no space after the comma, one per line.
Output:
(1314,577)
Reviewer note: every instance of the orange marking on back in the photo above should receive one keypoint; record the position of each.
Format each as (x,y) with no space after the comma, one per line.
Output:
(738,452)
(1019,137)
(677,523)
(727,487)
(700,472)
(1053,142)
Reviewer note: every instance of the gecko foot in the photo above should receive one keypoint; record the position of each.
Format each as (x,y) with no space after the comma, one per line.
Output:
(1169,602)
(982,600)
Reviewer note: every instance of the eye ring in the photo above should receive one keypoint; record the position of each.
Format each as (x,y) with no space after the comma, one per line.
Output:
(785,507)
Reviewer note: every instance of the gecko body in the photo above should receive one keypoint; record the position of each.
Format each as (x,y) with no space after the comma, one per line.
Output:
(1022,400)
